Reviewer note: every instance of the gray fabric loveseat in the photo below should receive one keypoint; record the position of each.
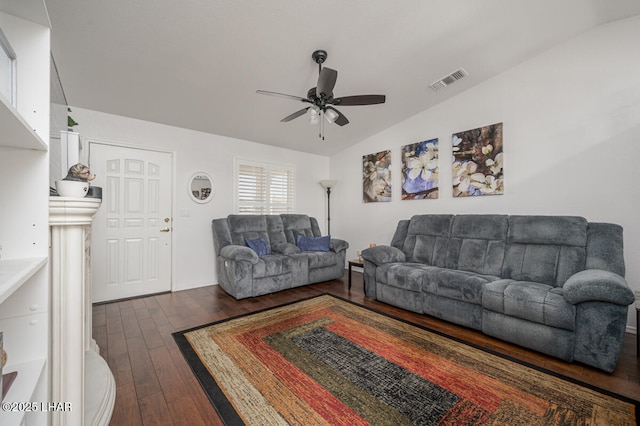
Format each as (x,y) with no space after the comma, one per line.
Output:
(277,263)
(549,283)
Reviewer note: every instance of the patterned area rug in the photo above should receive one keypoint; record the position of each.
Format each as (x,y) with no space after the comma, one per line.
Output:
(326,360)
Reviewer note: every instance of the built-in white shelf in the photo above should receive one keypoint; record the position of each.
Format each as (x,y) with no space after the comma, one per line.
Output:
(22,389)
(25,317)
(16,132)
(15,272)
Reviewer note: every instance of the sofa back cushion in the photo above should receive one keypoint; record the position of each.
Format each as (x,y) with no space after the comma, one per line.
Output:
(247,227)
(275,228)
(299,225)
(545,249)
(400,236)
(477,243)
(251,227)
(427,239)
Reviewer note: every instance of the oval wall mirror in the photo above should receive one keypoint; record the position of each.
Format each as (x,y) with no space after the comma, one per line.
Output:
(201,188)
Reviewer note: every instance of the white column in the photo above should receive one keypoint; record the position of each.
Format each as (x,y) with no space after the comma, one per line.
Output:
(70,221)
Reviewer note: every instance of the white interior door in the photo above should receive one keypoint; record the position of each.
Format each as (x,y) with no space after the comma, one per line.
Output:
(131,242)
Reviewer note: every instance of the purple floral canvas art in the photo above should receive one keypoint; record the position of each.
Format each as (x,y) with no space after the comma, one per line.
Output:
(478,163)
(376,177)
(420,170)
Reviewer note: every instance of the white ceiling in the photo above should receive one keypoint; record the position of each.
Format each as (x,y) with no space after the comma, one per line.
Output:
(198,63)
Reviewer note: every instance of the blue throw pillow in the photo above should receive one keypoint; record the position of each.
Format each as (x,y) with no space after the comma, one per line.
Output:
(313,243)
(259,246)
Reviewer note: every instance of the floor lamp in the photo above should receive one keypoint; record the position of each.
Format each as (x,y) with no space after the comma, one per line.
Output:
(328,184)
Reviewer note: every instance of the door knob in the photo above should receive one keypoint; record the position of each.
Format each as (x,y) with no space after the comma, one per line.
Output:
(165,230)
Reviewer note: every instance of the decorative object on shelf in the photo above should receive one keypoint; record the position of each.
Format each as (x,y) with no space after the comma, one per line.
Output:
(328,184)
(201,188)
(76,183)
(420,170)
(70,121)
(80,173)
(478,162)
(70,188)
(376,177)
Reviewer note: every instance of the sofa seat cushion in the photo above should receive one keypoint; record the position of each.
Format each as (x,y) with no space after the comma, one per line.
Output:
(531,301)
(458,285)
(407,276)
(272,264)
(320,259)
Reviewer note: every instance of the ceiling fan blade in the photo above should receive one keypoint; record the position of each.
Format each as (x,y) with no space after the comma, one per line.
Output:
(341,120)
(296,114)
(360,100)
(282,95)
(326,82)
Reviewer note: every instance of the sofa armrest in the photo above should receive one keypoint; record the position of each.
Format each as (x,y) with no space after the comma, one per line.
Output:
(235,252)
(337,245)
(597,285)
(285,248)
(380,255)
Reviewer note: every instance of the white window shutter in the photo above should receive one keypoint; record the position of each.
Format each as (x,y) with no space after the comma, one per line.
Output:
(263,188)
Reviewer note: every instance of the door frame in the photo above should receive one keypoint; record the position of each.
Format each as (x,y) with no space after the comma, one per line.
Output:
(86,143)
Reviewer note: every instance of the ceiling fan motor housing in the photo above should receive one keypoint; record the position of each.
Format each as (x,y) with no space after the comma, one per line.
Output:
(319,56)
(320,102)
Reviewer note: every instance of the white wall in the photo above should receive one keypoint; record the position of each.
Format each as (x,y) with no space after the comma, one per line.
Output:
(193,257)
(571,143)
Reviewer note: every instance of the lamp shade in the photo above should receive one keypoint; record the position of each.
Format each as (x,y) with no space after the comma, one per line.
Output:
(330,115)
(314,115)
(328,184)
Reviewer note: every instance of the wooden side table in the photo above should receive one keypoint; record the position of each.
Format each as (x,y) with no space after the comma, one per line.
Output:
(353,263)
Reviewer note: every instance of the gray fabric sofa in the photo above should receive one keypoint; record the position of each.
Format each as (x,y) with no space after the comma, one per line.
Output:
(549,283)
(242,273)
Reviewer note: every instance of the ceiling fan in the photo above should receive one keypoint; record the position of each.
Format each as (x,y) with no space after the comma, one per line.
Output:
(322,100)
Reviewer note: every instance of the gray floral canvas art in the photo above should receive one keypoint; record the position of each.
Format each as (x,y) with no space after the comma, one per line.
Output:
(478,163)
(376,177)
(420,170)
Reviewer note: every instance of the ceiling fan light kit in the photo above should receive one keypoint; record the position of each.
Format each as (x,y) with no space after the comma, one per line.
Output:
(321,98)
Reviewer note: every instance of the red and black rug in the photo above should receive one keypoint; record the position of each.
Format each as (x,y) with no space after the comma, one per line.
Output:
(326,360)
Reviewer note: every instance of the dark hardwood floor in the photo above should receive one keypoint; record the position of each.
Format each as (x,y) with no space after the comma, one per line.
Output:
(155,385)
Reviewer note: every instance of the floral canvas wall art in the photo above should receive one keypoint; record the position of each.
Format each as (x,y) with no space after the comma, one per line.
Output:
(376,177)
(420,170)
(478,164)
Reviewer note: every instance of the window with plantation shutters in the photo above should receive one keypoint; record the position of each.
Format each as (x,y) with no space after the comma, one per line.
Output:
(263,188)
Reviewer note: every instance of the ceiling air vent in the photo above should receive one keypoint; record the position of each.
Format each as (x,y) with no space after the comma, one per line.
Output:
(449,79)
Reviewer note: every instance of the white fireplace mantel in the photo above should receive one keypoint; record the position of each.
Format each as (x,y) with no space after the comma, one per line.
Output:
(79,375)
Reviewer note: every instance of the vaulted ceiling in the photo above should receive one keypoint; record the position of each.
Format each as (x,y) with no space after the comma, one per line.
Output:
(198,63)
